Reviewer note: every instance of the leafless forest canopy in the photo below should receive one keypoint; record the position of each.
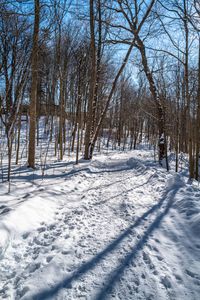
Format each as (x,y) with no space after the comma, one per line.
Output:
(99,73)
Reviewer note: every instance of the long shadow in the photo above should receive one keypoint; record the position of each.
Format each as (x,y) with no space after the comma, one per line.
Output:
(115,275)
(109,184)
(21,172)
(124,192)
(5,209)
(106,169)
(129,177)
(72,172)
(91,264)
(8,207)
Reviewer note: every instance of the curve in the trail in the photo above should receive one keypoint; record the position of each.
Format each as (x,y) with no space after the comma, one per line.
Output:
(104,240)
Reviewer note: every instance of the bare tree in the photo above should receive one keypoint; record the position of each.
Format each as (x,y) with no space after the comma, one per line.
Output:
(34,76)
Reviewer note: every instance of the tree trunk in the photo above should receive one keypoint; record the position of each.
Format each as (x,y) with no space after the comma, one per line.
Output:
(198,124)
(87,154)
(154,92)
(34,73)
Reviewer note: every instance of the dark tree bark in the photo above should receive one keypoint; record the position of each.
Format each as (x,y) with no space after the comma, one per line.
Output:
(33,100)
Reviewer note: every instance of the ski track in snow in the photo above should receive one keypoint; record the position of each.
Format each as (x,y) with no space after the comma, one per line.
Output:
(116,234)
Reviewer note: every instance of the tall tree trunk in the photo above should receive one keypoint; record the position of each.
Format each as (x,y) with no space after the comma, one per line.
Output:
(98,69)
(87,154)
(188,120)
(154,92)
(198,123)
(61,118)
(34,73)
(18,137)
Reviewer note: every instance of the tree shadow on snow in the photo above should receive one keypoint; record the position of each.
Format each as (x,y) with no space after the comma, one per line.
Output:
(36,174)
(160,210)
(123,192)
(29,174)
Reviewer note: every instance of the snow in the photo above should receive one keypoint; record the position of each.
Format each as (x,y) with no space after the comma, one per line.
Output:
(117,227)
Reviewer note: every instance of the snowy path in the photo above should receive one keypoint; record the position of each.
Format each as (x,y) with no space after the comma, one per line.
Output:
(116,228)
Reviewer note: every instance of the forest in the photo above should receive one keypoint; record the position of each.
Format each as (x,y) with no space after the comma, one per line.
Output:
(101,73)
(99,149)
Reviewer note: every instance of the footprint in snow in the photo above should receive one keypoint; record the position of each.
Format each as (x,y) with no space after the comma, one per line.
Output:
(41,229)
(66,252)
(42,242)
(11,275)
(178,278)
(192,274)
(157,241)
(189,189)
(147,260)
(25,235)
(52,227)
(49,258)
(160,258)
(32,268)
(23,291)
(166,282)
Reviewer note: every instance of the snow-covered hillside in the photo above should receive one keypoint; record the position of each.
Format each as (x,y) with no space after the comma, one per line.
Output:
(118,227)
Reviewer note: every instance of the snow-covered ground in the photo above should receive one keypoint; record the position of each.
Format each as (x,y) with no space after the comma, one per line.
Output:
(117,227)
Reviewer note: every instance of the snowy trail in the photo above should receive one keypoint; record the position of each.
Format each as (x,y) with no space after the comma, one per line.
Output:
(116,232)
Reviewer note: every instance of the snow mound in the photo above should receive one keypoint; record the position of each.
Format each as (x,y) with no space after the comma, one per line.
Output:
(195,224)
(4,240)
(29,215)
(188,205)
(136,164)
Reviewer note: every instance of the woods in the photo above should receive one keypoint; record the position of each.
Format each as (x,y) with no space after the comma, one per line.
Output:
(97,74)
(100,149)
